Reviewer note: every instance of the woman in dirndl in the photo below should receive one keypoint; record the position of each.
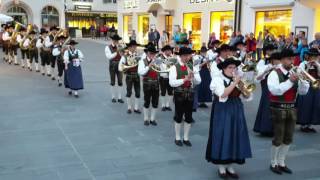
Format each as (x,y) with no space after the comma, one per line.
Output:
(73,74)
(228,141)
(204,92)
(308,106)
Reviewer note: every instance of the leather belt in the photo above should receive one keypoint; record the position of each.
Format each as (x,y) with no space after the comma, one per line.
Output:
(282,105)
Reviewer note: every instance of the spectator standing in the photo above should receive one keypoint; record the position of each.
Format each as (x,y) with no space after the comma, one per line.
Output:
(133,36)
(92,31)
(259,45)
(212,38)
(156,38)
(315,43)
(251,44)
(164,39)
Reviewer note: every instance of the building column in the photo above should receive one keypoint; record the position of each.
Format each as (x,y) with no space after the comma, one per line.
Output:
(237,16)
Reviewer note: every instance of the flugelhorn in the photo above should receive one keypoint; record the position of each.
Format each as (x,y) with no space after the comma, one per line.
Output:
(304,75)
(246,88)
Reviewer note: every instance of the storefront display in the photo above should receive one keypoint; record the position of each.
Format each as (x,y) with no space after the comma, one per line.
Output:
(222,25)
(143,28)
(127,27)
(276,22)
(192,22)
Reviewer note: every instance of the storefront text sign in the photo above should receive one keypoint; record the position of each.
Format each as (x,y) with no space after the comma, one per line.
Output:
(131,4)
(208,1)
(155,1)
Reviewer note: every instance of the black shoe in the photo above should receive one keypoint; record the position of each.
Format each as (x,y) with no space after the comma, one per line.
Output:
(16,64)
(49,75)
(232,175)
(137,111)
(42,74)
(312,130)
(70,93)
(163,109)
(76,96)
(37,70)
(120,101)
(53,78)
(187,143)
(153,123)
(60,84)
(168,109)
(30,69)
(114,100)
(304,129)
(203,105)
(129,111)
(178,142)
(276,170)
(285,169)
(194,110)
(222,175)
(146,123)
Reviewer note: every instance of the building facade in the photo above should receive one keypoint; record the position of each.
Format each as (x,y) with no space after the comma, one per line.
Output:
(38,12)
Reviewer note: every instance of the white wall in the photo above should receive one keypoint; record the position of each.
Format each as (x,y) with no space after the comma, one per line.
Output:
(303,16)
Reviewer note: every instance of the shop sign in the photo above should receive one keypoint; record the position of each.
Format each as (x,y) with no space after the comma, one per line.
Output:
(208,1)
(101,15)
(104,15)
(131,4)
(156,1)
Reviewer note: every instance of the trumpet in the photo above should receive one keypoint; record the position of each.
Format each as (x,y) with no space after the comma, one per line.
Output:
(246,88)
(304,75)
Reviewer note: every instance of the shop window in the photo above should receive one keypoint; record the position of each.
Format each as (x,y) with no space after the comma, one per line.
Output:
(143,28)
(276,22)
(169,25)
(127,27)
(50,16)
(18,14)
(222,24)
(192,22)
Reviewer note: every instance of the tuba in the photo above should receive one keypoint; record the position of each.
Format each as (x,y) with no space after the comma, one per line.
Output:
(29,29)
(15,33)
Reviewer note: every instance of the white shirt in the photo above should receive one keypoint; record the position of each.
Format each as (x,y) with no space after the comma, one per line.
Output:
(56,50)
(6,37)
(305,64)
(19,38)
(26,43)
(217,87)
(47,42)
(163,67)
(123,60)
(109,54)
(174,82)
(278,89)
(142,68)
(215,71)
(212,55)
(76,61)
(39,44)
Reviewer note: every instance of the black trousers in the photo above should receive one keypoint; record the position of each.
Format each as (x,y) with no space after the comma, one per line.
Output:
(24,53)
(13,50)
(183,107)
(52,60)
(45,59)
(61,67)
(34,55)
(151,94)
(114,72)
(133,81)
(6,48)
(165,87)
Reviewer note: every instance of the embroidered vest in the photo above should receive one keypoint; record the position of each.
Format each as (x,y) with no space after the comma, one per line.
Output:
(73,56)
(182,72)
(113,50)
(287,97)
(151,75)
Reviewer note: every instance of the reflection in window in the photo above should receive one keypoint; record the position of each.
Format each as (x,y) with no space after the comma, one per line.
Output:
(50,16)
(222,25)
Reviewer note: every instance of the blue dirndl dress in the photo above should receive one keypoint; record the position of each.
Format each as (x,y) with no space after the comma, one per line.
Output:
(228,140)
(204,92)
(263,123)
(73,75)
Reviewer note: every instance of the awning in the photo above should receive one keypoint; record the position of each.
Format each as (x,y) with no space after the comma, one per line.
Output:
(4,18)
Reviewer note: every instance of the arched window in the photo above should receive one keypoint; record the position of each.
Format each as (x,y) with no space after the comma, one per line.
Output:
(18,14)
(49,16)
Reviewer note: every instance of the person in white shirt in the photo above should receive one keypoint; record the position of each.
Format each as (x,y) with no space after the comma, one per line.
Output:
(57,52)
(166,91)
(263,123)
(212,52)
(150,85)
(73,79)
(284,85)
(228,141)
(24,51)
(224,52)
(183,77)
(43,51)
(6,38)
(308,106)
(113,56)
(31,44)
(129,65)
(48,46)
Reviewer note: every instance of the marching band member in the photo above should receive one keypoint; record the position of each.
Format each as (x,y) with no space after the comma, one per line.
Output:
(228,140)
(24,51)
(57,52)
(113,56)
(6,36)
(14,49)
(263,123)
(150,85)
(224,52)
(49,43)
(212,52)
(7,39)
(31,44)
(284,84)
(308,106)
(132,76)
(204,92)
(183,77)
(166,90)
(73,74)
(3,30)
(43,51)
